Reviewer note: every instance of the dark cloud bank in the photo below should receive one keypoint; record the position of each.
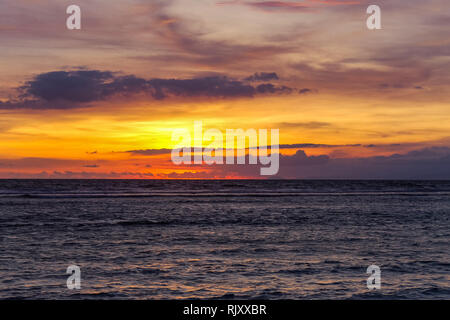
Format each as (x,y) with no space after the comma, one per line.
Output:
(424,164)
(72,89)
(428,163)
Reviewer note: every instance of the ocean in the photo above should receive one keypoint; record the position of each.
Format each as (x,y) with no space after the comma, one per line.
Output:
(224,239)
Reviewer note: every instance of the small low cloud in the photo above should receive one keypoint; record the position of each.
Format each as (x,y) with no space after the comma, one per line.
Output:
(397,86)
(306,91)
(91,166)
(300,158)
(305,125)
(263,76)
(150,152)
(270,88)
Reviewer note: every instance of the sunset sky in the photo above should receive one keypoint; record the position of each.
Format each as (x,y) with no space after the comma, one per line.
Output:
(102,102)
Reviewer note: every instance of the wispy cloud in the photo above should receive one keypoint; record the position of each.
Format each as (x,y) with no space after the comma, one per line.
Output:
(289,6)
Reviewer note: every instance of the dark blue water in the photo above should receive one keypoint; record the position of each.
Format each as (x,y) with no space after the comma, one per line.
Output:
(224,239)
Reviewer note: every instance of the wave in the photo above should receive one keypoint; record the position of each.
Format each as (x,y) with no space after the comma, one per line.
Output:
(216,194)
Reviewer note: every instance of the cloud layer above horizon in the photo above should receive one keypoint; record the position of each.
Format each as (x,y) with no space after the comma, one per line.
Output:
(349,102)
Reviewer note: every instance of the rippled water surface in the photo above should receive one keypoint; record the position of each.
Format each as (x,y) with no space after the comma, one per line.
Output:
(224,239)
